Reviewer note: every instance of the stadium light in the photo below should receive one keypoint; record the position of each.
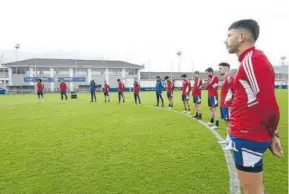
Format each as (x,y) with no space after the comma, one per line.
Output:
(17,47)
(179,53)
(283,58)
(283,74)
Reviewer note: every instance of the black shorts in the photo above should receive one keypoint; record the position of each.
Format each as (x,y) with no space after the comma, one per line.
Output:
(40,93)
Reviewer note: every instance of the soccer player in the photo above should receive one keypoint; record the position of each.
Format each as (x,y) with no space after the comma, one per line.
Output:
(197,95)
(136,90)
(170,91)
(186,89)
(63,89)
(40,88)
(254,110)
(159,91)
(212,87)
(121,89)
(92,88)
(226,98)
(106,89)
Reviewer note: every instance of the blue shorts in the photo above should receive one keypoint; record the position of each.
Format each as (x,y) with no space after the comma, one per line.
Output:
(106,94)
(213,101)
(197,99)
(248,155)
(185,97)
(169,94)
(225,114)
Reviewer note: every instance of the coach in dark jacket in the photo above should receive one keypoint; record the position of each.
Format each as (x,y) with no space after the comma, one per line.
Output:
(92,88)
(159,91)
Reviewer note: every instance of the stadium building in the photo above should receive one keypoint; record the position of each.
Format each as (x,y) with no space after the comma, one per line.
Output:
(22,75)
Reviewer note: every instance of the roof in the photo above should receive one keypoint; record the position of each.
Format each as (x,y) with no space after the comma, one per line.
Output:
(72,63)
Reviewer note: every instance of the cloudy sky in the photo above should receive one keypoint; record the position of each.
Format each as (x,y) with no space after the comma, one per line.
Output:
(146,32)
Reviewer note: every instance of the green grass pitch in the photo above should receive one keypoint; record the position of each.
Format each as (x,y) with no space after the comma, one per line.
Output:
(80,147)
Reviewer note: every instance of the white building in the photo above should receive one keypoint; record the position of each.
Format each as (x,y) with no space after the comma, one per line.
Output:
(23,73)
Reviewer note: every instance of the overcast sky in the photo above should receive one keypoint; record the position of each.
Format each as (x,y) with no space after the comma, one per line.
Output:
(146,32)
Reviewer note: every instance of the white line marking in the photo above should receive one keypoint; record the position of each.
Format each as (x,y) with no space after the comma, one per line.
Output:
(234,180)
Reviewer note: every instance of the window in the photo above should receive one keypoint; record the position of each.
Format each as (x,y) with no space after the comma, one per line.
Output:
(3,72)
(62,71)
(131,71)
(81,71)
(114,71)
(44,71)
(95,71)
(20,70)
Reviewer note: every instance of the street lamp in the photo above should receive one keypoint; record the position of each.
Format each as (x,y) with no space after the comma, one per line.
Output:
(283,75)
(283,58)
(179,53)
(17,47)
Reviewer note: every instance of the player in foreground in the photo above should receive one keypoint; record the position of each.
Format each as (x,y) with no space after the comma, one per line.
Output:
(212,87)
(136,90)
(226,99)
(186,89)
(254,111)
(40,89)
(92,88)
(159,91)
(106,89)
(121,89)
(170,91)
(63,89)
(197,95)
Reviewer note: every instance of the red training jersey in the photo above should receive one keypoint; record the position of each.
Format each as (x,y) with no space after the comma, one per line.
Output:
(121,87)
(63,87)
(170,86)
(40,87)
(186,87)
(136,87)
(254,110)
(197,89)
(212,86)
(227,91)
(106,88)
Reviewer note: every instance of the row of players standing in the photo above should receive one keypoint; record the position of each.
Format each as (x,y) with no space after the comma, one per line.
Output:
(121,90)
(196,90)
(40,90)
(92,90)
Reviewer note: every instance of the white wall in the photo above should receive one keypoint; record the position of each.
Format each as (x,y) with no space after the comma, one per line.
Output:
(147,83)
(129,82)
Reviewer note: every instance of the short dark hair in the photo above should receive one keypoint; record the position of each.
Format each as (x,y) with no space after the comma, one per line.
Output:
(196,72)
(184,75)
(167,77)
(248,24)
(118,80)
(210,70)
(158,77)
(39,80)
(224,64)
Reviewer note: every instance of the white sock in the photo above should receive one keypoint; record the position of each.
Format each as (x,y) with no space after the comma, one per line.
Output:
(228,137)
